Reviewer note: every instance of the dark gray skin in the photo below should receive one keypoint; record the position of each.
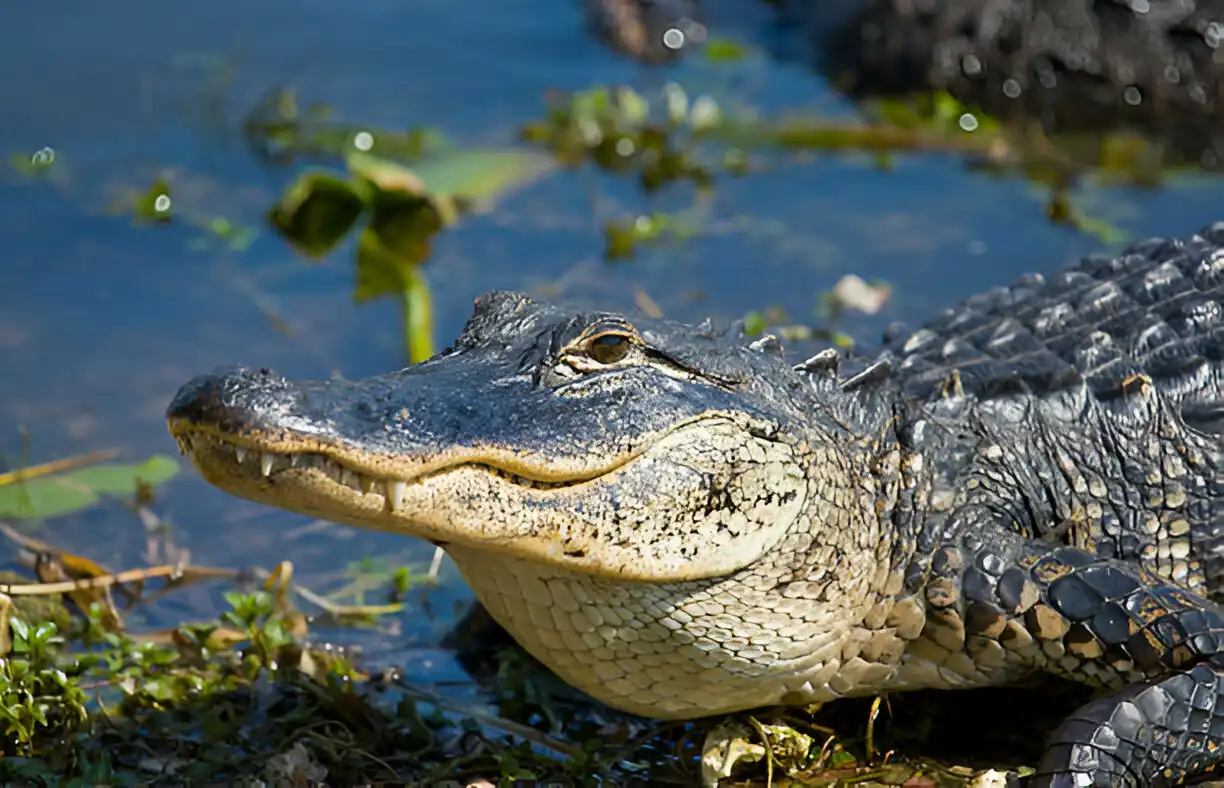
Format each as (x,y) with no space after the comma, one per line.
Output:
(683,523)
(1074,65)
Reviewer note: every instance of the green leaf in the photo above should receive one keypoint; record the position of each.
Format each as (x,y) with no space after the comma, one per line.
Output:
(754,323)
(155,204)
(317,212)
(723,50)
(482,175)
(466,176)
(43,498)
(396,241)
(840,758)
(123,479)
(65,493)
(404,226)
(44,632)
(385,175)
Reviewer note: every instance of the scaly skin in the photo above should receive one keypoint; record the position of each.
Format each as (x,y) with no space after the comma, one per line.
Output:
(680,523)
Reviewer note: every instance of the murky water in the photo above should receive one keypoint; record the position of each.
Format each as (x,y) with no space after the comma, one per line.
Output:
(101,320)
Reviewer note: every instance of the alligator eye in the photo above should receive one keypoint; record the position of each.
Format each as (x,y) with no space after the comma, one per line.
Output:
(609,348)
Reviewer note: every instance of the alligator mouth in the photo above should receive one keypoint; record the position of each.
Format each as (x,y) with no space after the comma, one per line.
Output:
(610,514)
(254,458)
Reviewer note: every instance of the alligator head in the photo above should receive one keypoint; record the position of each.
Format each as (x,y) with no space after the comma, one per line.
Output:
(628,457)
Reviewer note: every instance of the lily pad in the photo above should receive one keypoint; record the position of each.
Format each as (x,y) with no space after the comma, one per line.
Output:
(65,493)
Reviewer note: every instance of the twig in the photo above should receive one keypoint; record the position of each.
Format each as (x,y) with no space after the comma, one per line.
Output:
(330,606)
(55,466)
(119,578)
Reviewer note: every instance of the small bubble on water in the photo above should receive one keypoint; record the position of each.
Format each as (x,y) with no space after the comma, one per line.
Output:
(673,38)
(1132,96)
(363,141)
(162,203)
(1011,89)
(968,122)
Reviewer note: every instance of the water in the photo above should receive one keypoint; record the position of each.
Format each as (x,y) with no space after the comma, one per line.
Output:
(101,320)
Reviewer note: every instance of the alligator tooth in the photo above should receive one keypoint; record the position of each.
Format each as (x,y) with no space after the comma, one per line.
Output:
(348,478)
(368,484)
(265,464)
(395,493)
(294,459)
(241,452)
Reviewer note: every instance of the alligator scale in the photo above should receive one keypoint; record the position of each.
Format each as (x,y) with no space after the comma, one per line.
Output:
(684,522)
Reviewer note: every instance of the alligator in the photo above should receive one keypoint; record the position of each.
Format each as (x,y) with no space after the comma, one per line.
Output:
(684,521)
(1077,65)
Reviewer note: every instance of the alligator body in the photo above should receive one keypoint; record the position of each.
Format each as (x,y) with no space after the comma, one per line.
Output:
(1072,66)
(685,522)
(1111,57)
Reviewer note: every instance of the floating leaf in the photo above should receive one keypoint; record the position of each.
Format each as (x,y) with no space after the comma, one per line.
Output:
(43,499)
(484,174)
(317,212)
(470,175)
(124,479)
(385,175)
(32,164)
(155,205)
(398,189)
(723,50)
(65,493)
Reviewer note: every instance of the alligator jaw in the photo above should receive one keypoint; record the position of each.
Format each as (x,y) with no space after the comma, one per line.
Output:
(472,501)
(240,457)
(304,475)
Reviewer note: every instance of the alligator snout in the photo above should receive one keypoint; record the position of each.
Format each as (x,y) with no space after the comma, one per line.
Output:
(230,397)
